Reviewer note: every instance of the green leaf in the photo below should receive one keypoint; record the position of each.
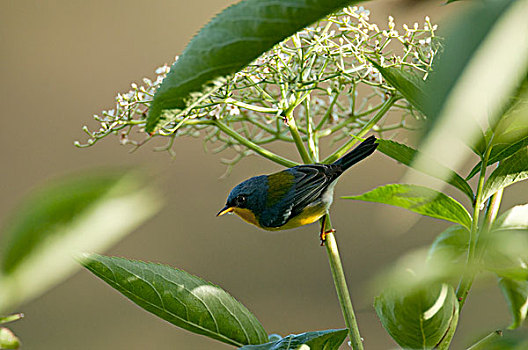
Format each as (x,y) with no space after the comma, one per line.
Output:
(405,155)
(421,319)
(229,42)
(409,85)
(510,171)
(498,153)
(90,211)
(503,340)
(418,199)
(516,294)
(180,298)
(324,340)
(8,340)
(451,245)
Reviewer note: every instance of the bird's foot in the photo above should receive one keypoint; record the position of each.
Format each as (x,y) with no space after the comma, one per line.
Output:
(323,235)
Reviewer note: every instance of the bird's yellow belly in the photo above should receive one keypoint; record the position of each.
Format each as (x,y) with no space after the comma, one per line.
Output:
(308,216)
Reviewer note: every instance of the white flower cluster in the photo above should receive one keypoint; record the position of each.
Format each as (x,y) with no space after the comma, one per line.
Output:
(323,73)
(130,110)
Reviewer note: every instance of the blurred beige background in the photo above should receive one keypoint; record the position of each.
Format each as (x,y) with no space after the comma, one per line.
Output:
(61,62)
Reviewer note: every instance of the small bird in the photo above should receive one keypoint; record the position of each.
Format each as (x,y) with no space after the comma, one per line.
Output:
(294,197)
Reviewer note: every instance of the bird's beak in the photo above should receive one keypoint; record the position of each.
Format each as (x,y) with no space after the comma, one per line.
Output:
(225,210)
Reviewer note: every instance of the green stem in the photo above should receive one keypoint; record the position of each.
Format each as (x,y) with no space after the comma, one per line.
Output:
(343,295)
(353,118)
(327,113)
(313,142)
(253,146)
(250,107)
(366,128)
(297,137)
(469,275)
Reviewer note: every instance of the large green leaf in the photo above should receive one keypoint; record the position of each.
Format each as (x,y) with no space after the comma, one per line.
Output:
(516,294)
(419,199)
(323,340)
(89,211)
(405,155)
(420,319)
(462,92)
(229,42)
(510,171)
(180,298)
(409,85)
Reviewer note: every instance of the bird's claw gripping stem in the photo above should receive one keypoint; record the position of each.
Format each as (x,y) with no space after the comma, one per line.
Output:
(323,234)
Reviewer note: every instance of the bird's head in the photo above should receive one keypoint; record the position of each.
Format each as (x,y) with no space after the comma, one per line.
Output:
(247,197)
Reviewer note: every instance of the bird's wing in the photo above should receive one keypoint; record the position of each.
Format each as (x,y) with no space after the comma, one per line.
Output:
(307,184)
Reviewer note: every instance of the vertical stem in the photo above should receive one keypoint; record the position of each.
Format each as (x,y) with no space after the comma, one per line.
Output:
(467,278)
(343,295)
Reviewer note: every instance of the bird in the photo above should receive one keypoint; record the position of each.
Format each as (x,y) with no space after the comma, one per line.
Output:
(294,197)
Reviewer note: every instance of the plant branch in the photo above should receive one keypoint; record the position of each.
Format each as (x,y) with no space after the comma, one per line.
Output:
(306,158)
(313,142)
(341,286)
(327,113)
(469,275)
(253,146)
(251,107)
(366,128)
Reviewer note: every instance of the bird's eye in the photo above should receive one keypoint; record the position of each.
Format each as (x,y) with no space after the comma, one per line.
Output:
(240,200)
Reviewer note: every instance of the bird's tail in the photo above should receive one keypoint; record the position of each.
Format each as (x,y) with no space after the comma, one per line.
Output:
(365,149)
